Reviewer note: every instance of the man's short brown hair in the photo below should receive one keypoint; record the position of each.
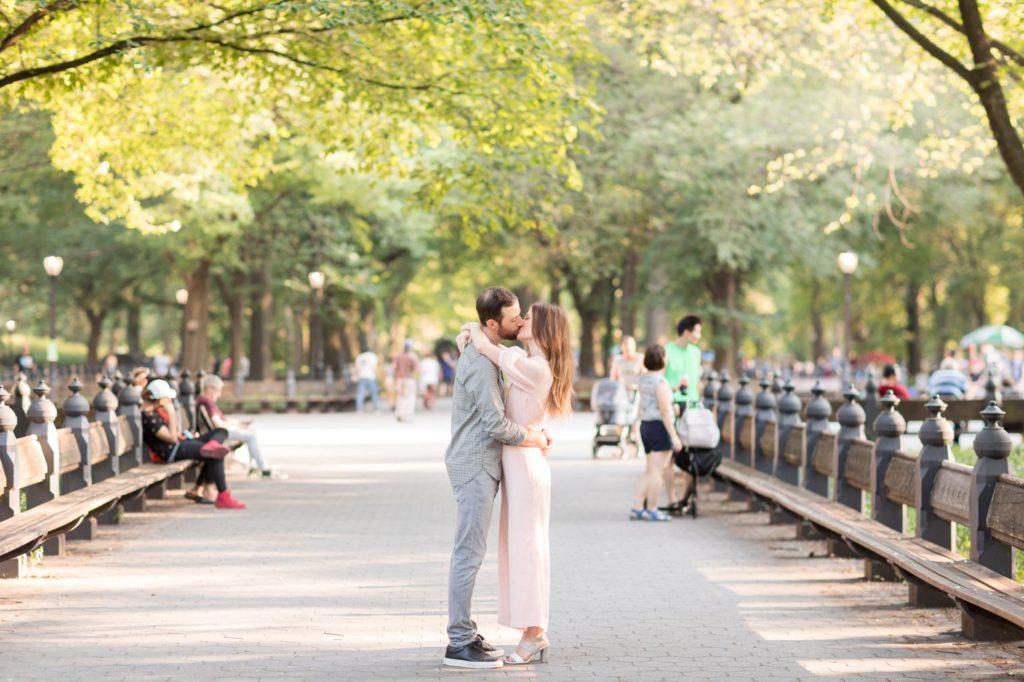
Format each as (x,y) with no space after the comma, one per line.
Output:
(491,302)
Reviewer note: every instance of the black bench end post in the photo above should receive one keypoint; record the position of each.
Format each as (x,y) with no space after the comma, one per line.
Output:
(743,436)
(851,420)
(9,458)
(41,417)
(11,504)
(76,411)
(723,408)
(992,447)
(871,405)
(128,406)
(710,388)
(187,396)
(765,413)
(889,427)
(789,416)
(819,411)
(104,407)
(936,435)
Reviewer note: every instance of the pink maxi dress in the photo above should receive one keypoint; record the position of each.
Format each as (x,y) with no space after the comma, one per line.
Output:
(524,564)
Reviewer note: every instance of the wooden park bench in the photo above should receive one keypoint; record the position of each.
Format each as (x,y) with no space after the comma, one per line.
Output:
(59,483)
(808,473)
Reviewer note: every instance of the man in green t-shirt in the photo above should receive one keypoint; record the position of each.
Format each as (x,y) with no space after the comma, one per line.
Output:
(683,368)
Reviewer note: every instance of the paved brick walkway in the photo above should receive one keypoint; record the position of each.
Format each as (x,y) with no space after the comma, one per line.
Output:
(339,573)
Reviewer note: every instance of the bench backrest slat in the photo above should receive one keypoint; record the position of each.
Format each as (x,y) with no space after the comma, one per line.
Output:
(824,457)
(99,446)
(768,439)
(747,435)
(1006,515)
(951,493)
(31,461)
(70,456)
(901,479)
(728,426)
(126,438)
(858,465)
(793,450)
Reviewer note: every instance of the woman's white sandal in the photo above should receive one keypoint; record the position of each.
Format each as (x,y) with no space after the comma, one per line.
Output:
(535,651)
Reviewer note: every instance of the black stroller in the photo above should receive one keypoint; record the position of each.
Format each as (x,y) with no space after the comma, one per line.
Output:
(698,462)
(616,413)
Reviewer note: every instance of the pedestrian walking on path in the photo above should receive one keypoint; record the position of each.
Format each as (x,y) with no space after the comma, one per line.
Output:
(406,366)
(366,373)
(658,433)
(473,462)
(541,386)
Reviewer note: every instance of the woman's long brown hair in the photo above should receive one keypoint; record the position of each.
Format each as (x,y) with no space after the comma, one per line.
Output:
(551,331)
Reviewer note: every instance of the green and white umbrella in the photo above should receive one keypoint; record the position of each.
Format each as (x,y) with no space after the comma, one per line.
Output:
(996,335)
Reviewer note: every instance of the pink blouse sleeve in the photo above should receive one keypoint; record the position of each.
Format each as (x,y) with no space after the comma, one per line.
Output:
(529,374)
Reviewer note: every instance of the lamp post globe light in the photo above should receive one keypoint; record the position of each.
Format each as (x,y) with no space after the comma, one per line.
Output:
(181,296)
(10,326)
(317,280)
(847,261)
(53,265)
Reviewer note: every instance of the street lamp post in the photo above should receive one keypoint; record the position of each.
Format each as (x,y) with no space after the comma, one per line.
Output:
(847,265)
(316,283)
(53,266)
(181,296)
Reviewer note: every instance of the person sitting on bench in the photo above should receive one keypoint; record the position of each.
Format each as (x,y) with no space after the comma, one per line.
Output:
(209,416)
(168,444)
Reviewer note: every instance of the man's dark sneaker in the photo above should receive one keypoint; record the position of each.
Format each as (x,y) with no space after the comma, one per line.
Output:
(486,646)
(472,655)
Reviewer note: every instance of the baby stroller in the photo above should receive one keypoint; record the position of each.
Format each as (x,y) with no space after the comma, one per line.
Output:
(700,455)
(616,413)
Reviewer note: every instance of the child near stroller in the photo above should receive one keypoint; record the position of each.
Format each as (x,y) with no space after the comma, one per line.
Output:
(616,412)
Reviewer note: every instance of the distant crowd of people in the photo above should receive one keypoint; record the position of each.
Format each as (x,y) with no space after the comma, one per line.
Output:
(405,379)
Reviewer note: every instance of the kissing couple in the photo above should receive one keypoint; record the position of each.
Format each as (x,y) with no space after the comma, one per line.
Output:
(498,437)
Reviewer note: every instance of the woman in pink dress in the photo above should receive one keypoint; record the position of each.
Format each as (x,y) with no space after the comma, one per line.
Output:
(540,386)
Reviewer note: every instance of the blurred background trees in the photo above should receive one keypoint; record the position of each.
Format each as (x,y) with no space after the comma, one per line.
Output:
(634,162)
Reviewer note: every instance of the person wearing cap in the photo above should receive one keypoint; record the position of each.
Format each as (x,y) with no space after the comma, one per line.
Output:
(167,443)
(406,366)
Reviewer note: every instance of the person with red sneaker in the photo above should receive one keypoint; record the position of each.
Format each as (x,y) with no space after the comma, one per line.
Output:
(167,443)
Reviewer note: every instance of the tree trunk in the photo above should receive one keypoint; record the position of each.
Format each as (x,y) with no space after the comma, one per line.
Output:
(234,299)
(817,324)
(913,310)
(938,320)
(262,302)
(588,328)
(95,319)
(722,286)
(608,337)
(591,306)
(555,287)
(134,332)
(197,318)
(351,332)
(627,305)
